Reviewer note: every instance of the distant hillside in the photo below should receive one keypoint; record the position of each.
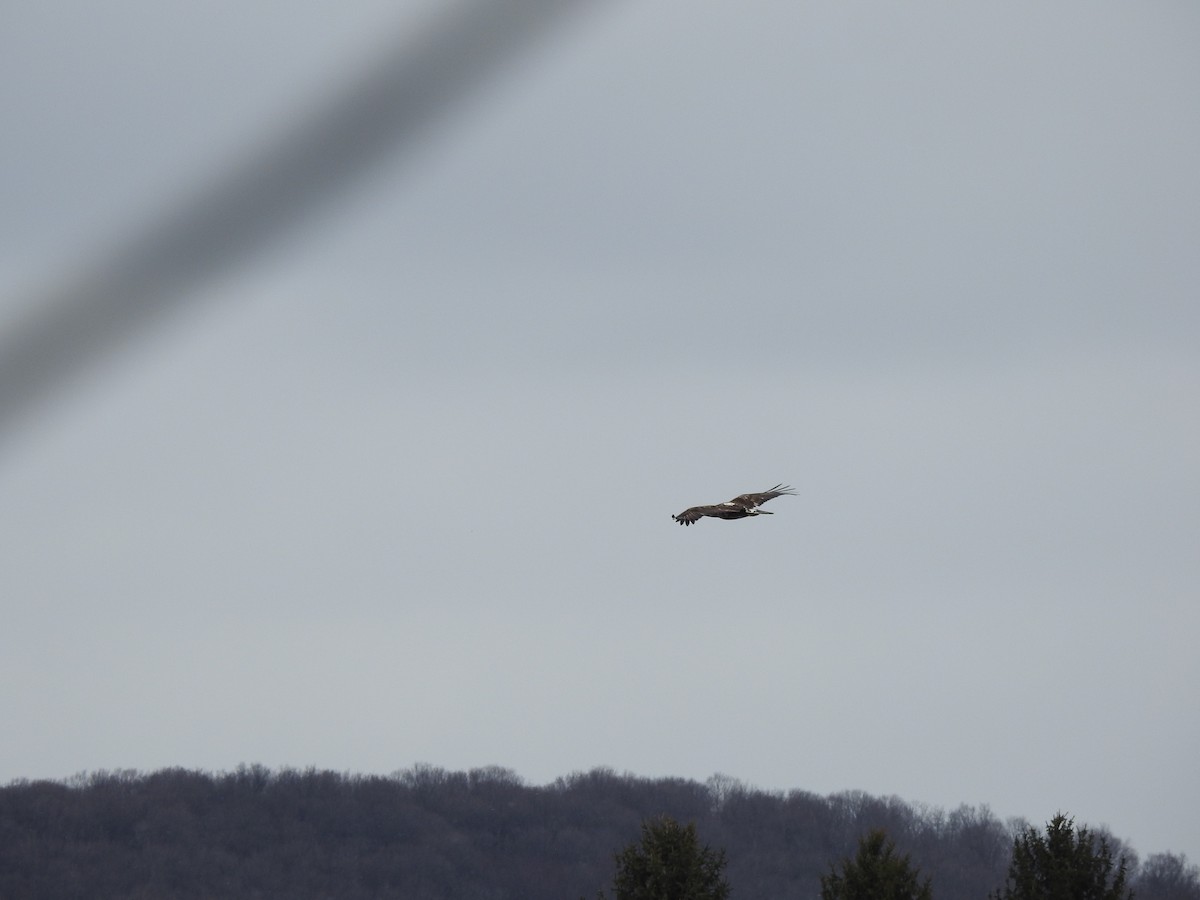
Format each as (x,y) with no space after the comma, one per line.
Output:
(427,833)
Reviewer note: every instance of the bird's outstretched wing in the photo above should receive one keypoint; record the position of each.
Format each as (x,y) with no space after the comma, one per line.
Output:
(755,500)
(696,513)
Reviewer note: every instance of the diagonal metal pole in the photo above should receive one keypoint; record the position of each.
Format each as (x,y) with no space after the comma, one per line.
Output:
(379,114)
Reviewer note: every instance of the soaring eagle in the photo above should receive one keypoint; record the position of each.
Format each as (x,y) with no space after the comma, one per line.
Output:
(738,508)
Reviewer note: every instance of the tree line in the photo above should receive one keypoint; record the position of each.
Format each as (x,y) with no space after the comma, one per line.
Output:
(484,834)
(1066,863)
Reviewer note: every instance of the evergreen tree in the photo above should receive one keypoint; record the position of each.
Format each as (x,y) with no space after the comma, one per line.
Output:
(1065,864)
(668,863)
(876,873)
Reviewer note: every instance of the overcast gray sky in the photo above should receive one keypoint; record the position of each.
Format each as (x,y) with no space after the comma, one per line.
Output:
(399,488)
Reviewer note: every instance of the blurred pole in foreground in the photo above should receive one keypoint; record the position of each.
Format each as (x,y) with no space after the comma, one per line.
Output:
(380,114)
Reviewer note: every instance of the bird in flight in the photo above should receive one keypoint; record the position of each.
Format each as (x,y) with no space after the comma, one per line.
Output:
(738,508)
